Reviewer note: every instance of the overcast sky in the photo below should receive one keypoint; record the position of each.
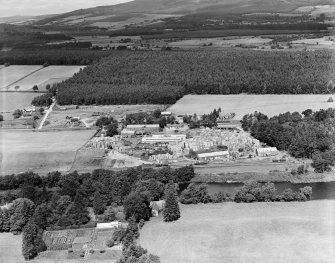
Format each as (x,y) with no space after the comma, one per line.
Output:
(42,7)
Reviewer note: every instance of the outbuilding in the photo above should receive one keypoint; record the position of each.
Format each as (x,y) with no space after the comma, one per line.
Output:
(270,151)
(110,225)
(222,155)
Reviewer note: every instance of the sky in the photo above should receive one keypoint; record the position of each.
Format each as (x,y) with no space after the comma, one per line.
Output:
(42,7)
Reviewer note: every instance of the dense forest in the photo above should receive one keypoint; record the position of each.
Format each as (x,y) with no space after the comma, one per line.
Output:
(309,136)
(164,77)
(34,56)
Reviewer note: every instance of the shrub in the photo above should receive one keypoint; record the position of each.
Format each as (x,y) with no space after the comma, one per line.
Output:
(301,169)
(288,195)
(194,194)
(110,243)
(141,224)
(102,251)
(82,253)
(293,171)
(17,113)
(306,191)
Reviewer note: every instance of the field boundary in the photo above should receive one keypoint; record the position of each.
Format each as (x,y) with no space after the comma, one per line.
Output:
(31,73)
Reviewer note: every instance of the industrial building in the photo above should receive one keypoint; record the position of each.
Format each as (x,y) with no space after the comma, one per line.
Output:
(143,128)
(166,138)
(223,155)
(264,152)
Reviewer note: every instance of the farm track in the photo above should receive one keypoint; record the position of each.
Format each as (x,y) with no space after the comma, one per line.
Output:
(47,114)
(31,73)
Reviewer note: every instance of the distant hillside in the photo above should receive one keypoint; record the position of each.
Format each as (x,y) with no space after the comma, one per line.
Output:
(146,12)
(22,20)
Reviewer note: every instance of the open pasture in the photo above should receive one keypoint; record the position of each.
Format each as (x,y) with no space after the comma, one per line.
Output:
(220,42)
(11,74)
(244,104)
(41,152)
(47,75)
(258,232)
(10,101)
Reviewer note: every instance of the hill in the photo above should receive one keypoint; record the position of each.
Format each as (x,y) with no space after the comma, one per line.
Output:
(146,12)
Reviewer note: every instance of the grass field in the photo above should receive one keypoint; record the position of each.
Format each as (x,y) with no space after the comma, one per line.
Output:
(220,42)
(244,104)
(10,248)
(258,232)
(48,75)
(41,152)
(10,101)
(13,73)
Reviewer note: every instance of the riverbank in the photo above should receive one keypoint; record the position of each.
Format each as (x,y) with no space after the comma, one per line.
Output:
(275,176)
(258,232)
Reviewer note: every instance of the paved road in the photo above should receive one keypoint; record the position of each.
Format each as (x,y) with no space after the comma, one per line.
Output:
(47,114)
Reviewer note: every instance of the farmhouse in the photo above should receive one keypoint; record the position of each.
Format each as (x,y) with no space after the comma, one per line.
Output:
(270,151)
(143,128)
(223,155)
(157,207)
(28,111)
(166,113)
(167,138)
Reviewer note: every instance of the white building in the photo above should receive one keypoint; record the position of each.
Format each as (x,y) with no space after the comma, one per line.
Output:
(110,225)
(127,133)
(143,128)
(223,155)
(176,127)
(168,138)
(270,151)
(159,157)
(166,113)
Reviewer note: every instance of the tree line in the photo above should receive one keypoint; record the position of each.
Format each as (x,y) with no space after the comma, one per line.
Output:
(251,191)
(310,135)
(59,56)
(164,77)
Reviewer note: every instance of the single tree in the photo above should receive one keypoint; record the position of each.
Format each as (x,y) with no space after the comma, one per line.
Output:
(5,220)
(35,88)
(98,205)
(21,211)
(138,205)
(32,242)
(17,113)
(171,210)
(40,216)
(131,233)
(1,117)
(77,212)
